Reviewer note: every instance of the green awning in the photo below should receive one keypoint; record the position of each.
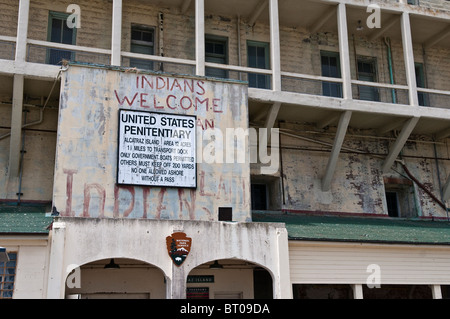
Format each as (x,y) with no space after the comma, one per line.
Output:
(359,229)
(24,219)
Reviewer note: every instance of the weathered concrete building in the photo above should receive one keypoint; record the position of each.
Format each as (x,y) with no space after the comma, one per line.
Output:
(202,149)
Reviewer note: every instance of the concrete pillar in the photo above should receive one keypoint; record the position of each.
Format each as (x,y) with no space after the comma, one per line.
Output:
(56,273)
(436,291)
(344,121)
(200,37)
(16,126)
(17,104)
(22,30)
(399,143)
(357,292)
(275,45)
(269,124)
(116,38)
(344,53)
(178,283)
(168,287)
(409,59)
(282,286)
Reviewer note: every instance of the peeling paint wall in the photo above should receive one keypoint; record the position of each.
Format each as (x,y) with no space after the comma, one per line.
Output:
(36,179)
(86,160)
(359,185)
(300,52)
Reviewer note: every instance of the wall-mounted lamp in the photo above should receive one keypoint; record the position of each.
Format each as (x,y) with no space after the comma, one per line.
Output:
(112,265)
(216,265)
(359,27)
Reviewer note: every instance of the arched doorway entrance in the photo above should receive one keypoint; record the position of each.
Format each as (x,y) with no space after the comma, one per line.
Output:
(116,278)
(229,279)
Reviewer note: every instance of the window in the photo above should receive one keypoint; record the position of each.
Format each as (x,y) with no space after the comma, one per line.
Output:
(420,81)
(225,214)
(392,204)
(197,293)
(367,72)
(258,57)
(216,50)
(322,291)
(331,68)
(142,41)
(59,32)
(266,192)
(229,295)
(7,275)
(400,197)
(259,196)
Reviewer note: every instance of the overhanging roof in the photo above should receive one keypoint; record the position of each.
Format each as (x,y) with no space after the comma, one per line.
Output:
(359,229)
(24,219)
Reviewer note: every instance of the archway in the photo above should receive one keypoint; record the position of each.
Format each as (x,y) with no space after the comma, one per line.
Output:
(229,279)
(116,278)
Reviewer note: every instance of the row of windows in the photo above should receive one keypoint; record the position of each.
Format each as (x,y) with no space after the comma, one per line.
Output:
(142,41)
(216,48)
(366,71)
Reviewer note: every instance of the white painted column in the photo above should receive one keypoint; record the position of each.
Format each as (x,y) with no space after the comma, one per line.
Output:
(399,143)
(200,37)
(116,38)
(56,273)
(265,135)
(178,283)
(446,190)
(344,120)
(409,59)
(275,45)
(344,53)
(436,291)
(22,30)
(282,286)
(16,126)
(357,292)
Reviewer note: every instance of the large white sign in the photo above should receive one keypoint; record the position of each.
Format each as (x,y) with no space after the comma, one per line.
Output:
(156,149)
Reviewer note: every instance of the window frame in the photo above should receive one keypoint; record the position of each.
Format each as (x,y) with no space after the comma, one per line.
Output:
(149,44)
(331,54)
(406,196)
(4,274)
(266,77)
(224,41)
(422,97)
(52,15)
(373,62)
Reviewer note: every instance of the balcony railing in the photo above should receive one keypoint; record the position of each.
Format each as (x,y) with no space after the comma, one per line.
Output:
(158,63)
(7,48)
(54,53)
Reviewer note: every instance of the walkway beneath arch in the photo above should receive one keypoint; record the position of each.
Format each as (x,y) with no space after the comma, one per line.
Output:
(88,241)
(229,279)
(116,278)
